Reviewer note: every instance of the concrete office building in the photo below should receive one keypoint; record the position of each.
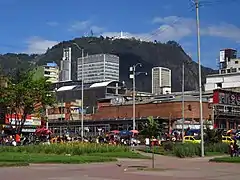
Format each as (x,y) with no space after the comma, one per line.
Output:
(229,72)
(66,65)
(51,71)
(161,80)
(98,68)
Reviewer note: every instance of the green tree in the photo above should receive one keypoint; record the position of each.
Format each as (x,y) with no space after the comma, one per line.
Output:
(212,136)
(23,94)
(151,128)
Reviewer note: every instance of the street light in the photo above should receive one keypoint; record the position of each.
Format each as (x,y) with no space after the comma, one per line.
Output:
(196,3)
(133,76)
(183,101)
(82,115)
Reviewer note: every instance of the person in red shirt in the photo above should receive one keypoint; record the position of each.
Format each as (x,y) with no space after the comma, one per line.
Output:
(17,139)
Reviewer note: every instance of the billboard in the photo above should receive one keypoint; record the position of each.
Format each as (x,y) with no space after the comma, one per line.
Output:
(222,56)
(226,97)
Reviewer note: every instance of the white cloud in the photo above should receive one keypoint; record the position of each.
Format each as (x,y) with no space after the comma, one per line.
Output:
(171,28)
(85,26)
(79,25)
(52,23)
(37,45)
(177,28)
(223,30)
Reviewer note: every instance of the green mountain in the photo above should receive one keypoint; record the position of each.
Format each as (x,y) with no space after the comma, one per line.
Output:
(130,51)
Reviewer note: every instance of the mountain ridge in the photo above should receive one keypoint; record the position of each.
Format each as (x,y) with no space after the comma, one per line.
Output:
(130,52)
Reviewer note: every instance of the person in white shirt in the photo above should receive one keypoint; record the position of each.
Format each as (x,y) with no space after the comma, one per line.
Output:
(147,141)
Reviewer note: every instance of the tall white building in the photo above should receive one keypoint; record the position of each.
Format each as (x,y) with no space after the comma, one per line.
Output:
(229,72)
(51,71)
(161,80)
(98,68)
(66,65)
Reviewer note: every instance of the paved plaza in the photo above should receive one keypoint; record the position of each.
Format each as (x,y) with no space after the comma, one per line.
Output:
(169,168)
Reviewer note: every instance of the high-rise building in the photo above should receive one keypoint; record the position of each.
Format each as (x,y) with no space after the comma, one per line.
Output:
(66,65)
(98,68)
(161,80)
(51,71)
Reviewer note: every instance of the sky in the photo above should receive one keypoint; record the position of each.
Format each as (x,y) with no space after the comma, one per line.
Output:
(31,26)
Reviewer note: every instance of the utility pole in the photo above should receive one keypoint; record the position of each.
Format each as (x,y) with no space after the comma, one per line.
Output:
(196,2)
(134,103)
(82,105)
(133,76)
(183,102)
(82,89)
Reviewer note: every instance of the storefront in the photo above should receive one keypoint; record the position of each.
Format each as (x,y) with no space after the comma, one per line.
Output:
(226,109)
(13,121)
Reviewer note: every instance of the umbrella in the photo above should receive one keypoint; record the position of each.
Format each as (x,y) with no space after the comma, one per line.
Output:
(43,131)
(125,133)
(115,132)
(134,131)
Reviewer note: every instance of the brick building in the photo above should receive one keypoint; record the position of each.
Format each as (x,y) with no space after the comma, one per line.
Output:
(164,110)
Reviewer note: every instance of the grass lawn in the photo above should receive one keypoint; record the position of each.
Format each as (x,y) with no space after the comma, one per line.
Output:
(66,159)
(13,164)
(226,159)
(129,154)
(157,150)
(215,154)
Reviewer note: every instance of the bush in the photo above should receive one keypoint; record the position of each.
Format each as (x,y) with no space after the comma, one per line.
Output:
(69,148)
(218,147)
(192,150)
(187,150)
(168,146)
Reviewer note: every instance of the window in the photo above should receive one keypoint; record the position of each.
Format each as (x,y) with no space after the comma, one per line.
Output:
(234,70)
(223,71)
(228,71)
(229,139)
(219,85)
(191,139)
(186,138)
(223,139)
(236,62)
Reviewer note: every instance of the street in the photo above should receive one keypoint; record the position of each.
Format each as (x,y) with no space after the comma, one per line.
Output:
(169,168)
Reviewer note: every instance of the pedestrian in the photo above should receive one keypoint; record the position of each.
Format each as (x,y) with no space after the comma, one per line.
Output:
(231,149)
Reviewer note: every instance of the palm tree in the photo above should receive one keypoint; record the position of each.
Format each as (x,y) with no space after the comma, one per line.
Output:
(151,128)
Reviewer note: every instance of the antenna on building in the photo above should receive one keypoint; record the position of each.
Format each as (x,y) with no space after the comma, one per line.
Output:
(218,63)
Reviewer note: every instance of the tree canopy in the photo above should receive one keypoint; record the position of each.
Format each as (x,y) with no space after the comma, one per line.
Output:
(22,94)
(151,128)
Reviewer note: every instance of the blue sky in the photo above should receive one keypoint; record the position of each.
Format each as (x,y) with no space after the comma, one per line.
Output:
(31,26)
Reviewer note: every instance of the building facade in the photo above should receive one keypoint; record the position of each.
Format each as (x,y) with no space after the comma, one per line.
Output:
(226,57)
(98,68)
(226,109)
(229,72)
(161,80)
(51,71)
(66,65)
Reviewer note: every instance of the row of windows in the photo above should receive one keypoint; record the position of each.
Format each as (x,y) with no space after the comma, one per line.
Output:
(232,70)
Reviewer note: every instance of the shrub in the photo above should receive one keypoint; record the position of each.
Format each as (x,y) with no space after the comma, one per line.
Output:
(69,148)
(168,146)
(187,150)
(218,147)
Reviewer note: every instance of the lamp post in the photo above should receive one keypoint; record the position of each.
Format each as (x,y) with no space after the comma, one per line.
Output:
(183,102)
(133,76)
(82,89)
(196,2)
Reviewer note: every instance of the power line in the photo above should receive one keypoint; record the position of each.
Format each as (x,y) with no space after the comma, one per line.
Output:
(202,3)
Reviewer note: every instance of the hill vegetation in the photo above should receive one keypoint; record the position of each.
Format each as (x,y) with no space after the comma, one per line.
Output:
(130,51)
